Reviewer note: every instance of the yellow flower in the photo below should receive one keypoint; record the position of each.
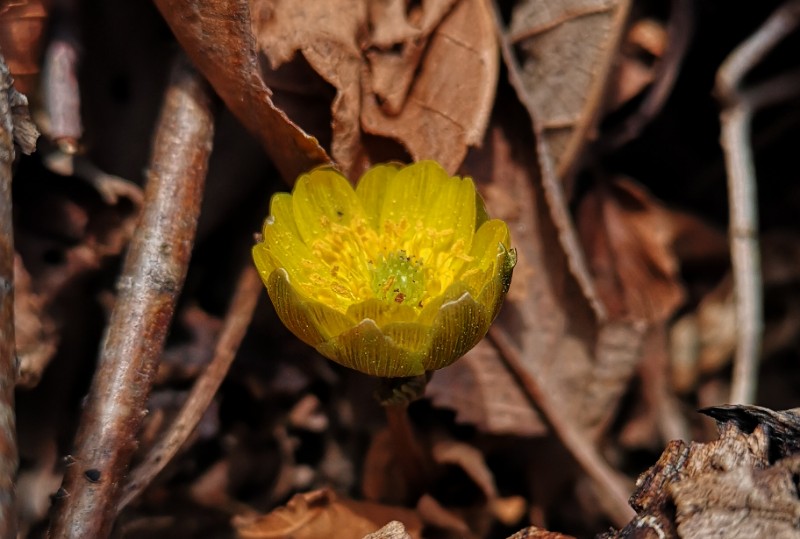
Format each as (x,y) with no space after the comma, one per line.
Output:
(399,276)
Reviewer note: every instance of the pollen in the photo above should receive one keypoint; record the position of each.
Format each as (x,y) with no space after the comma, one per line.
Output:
(398,277)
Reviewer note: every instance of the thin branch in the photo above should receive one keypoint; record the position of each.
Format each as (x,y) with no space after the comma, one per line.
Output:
(151,280)
(611,486)
(248,290)
(552,185)
(60,91)
(735,118)
(15,127)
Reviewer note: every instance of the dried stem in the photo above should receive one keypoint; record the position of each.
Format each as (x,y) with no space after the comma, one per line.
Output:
(407,450)
(151,280)
(552,184)
(60,91)
(240,313)
(612,486)
(9,458)
(738,109)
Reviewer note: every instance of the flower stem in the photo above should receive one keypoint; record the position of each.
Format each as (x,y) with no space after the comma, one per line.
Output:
(408,451)
(395,395)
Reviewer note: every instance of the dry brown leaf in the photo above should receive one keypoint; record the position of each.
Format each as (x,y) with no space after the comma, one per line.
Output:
(393,530)
(470,460)
(645,37)
(560,338)
(422,75)
(484,393)
(532,532)
(326,34)
(438,516)
(628,238)
(450,100)
(738,486)
(396,47)
(34,329)
(64,233)
(565,54)
(22,26)
(317,514)
(217,36)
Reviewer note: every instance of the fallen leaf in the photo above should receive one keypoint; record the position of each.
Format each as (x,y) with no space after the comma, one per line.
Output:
(397,44)
(34,329)
(532,532)
(326,34)
(393,530)
(483,393)
(740,485)
(563,342)
(22,30)
(218,38)
(315,514)
(450,100)
(564,55)
(628,238)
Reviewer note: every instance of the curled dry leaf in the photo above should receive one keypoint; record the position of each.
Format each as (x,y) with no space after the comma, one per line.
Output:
(565,54)
(218,38)
(549,318)
(22,25)
(314,514)
(65,232)
(449,102)
(433,96)
(645,38)
(738,486)
(482,392)
(532,532)
(628,238)
(397,45)
(34,329)
(326,34)
(393,530)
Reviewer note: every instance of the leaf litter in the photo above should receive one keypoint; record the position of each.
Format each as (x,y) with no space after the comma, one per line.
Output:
(587,126)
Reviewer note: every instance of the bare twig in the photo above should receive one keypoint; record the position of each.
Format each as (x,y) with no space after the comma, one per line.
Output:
(240,313)
(553,189)
(738,109)
(151,280)
(60,91)
(8,443)
(612,486)
(15,126)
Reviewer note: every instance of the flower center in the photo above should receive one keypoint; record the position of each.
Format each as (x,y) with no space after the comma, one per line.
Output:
(399,278)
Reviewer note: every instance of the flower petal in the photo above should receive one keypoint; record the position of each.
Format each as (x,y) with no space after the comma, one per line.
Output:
(323,198)
(410,336)
(480,211)
(495,289)
(484,252)
(371,190)
(424,193)
(381,312)
(458,327)
(312,321)
(366,349)
(282,247)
